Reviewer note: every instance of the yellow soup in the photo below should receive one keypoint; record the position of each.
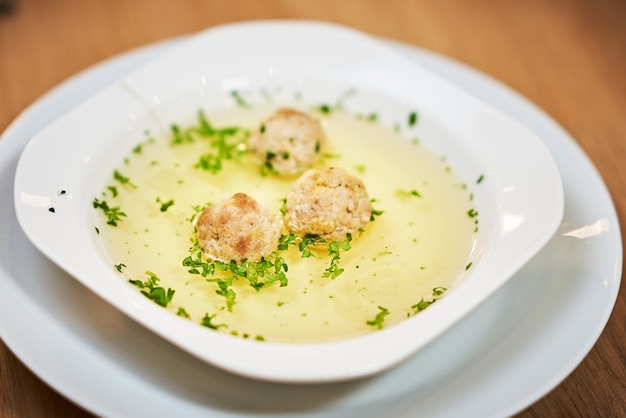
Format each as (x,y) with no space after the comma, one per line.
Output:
(405,259)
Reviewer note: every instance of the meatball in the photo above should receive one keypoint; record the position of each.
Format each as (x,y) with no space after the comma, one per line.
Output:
(327,202)
(238,228)
(288,142)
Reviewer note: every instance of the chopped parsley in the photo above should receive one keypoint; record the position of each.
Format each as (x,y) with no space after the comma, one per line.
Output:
(412,118)
(113,190)
(379,319)
(165,205)
(225,290)
(324,108)
(303,243)
(259,274)
(179,136)
(238,99)
(153,292)
(360,168)
(138,149)
(375,212)
(371,117)
(227,143)
(268,168)
(327,109)
(304,246)
(408,193)
(122,179)
(423,303)
(334,249)
(113,214)
(198,264)
(182,312)
(207,321)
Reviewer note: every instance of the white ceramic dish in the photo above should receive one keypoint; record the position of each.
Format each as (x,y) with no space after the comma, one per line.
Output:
(497,370)
(520,207)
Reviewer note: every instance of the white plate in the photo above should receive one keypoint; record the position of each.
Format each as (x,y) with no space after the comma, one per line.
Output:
(111,366)
(520,202)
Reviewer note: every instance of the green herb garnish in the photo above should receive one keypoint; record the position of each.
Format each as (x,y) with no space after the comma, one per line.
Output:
(226,143)
(408,193)
(113,190)
(114,214)
(423,303)
(379,319)
(324,108)
(207,321)
(182,312)
(165,205)
(372,117)
(122,179)
(259,274)
(150,289)
(412,118)
(238,99)
(334,249)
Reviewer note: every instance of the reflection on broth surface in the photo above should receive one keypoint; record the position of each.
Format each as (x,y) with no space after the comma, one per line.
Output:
(418,242)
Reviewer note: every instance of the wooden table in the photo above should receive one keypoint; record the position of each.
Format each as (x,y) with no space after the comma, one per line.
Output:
(567,56)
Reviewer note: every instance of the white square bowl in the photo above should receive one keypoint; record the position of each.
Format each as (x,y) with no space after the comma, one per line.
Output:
(520,201)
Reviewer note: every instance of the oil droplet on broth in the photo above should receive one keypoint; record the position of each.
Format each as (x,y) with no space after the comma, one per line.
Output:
(416,245)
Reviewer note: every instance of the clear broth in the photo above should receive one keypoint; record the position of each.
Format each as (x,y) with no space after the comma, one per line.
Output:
(418,244)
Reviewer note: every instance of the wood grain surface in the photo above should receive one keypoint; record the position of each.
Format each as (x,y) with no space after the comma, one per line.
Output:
(566,56)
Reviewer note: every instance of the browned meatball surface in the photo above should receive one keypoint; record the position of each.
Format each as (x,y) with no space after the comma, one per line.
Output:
(328,202)
(289,141)
(238,228)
